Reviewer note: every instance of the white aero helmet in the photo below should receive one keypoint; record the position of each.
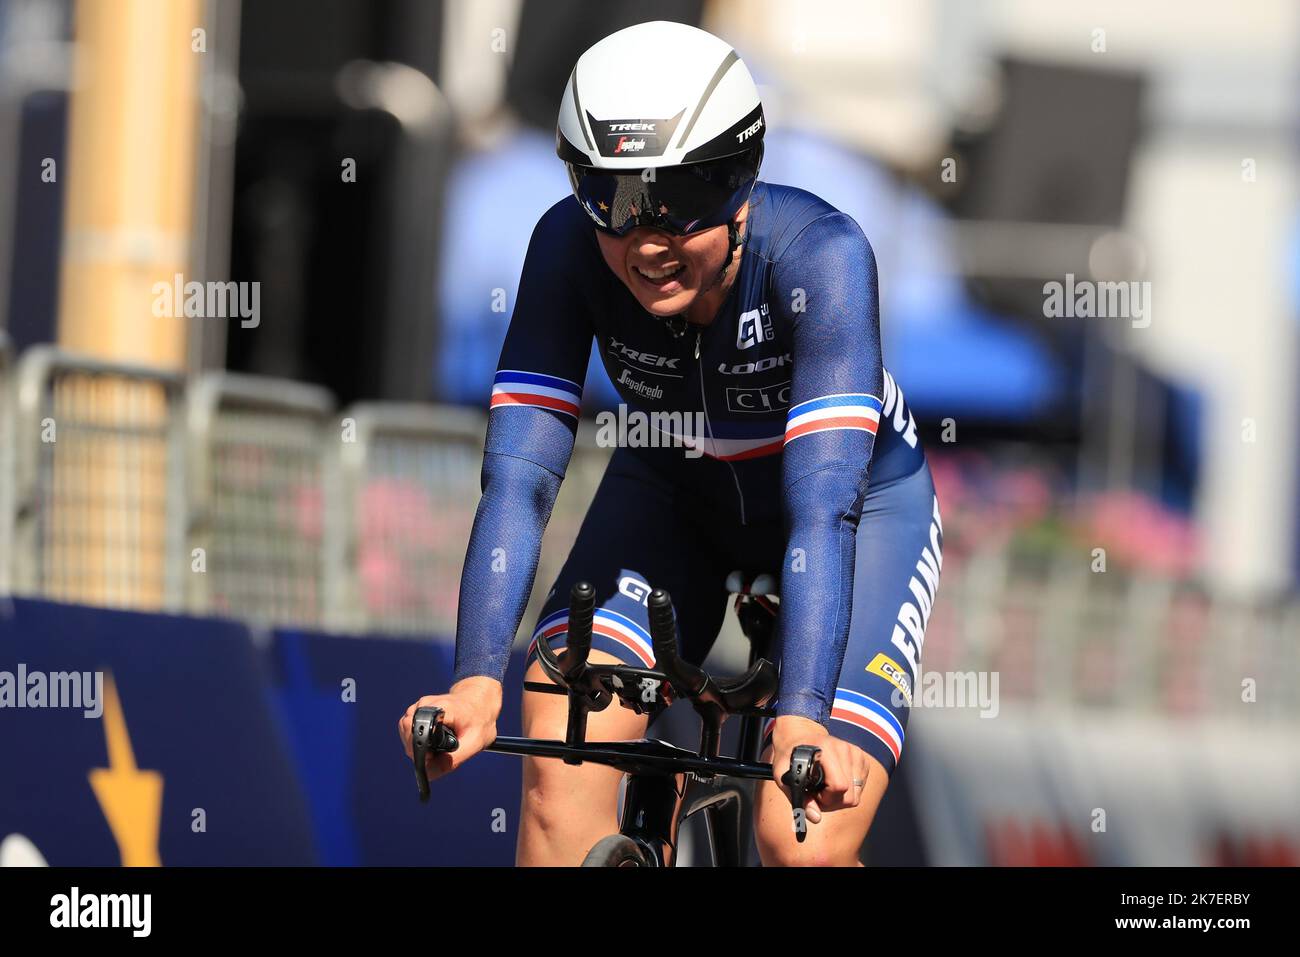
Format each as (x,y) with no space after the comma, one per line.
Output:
(661,126)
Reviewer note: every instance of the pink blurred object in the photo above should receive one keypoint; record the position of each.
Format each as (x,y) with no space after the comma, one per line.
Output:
(1139,531)
(309,511)
(400,532)
(397,509)
(984,505)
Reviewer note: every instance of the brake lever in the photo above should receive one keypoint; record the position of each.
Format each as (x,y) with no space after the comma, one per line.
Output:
(429,735)
(803,778)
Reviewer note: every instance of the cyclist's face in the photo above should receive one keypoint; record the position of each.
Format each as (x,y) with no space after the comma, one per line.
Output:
(666,273)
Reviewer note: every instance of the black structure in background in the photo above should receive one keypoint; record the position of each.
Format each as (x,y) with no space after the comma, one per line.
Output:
(32,309)
(1061,150)
(1061,153)
(346,268)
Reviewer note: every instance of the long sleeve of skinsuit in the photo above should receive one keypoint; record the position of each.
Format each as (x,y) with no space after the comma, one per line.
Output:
(531,426)
(825,291)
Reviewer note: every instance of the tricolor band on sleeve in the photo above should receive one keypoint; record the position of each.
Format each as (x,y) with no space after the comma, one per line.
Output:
(865,714)
(513,387)
(869,715)
(846,411)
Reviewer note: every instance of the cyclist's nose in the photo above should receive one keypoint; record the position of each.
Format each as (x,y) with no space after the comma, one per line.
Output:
(649,241)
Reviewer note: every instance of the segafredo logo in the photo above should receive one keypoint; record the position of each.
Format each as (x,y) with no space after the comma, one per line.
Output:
(644,389)
(627,145)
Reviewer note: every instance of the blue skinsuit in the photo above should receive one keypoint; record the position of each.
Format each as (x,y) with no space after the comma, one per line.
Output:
(772,440)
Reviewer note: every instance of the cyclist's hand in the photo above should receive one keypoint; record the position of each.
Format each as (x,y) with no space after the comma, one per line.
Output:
(842,763)
(470,709)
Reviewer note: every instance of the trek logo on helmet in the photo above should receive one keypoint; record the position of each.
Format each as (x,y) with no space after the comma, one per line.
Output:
(747,133)
(653,136)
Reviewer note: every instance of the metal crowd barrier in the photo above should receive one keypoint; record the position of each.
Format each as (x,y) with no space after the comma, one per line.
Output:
(257,492)
(409,485)
(98,479)
(247,497)
(1055,632)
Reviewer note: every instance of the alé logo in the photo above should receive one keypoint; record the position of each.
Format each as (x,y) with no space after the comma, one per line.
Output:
(755,326)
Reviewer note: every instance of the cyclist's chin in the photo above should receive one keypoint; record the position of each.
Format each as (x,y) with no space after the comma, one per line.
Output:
(665,306)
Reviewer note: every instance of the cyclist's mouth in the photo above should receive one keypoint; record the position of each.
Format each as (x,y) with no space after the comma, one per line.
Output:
(659,279)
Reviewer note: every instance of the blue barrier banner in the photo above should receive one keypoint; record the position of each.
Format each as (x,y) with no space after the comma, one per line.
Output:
(141,739)
(340,699)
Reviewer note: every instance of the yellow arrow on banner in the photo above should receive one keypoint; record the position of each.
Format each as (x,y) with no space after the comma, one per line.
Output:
(131,799)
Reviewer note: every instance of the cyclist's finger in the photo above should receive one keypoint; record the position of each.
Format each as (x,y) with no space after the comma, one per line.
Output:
(843,770)
(812,811)
(779,769)
(838,777)
(439,764)
(444,762)
(404,732)
(407,720)
(861,770)
(428,701)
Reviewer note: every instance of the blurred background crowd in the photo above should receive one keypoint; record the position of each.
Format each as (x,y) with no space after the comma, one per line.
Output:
(1121,493)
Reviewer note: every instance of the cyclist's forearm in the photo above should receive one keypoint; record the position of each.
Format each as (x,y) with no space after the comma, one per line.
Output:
(817,588)
(501,562)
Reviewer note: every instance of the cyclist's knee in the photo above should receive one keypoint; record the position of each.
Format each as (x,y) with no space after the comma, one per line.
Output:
(559,798)
(548,802)
(777,847)
(786,855)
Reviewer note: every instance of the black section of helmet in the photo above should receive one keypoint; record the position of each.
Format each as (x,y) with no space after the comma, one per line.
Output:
(677,199)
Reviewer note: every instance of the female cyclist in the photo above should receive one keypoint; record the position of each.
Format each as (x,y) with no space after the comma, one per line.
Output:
(751,308)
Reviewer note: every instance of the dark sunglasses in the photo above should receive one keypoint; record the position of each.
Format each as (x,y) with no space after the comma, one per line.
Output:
(679,199)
